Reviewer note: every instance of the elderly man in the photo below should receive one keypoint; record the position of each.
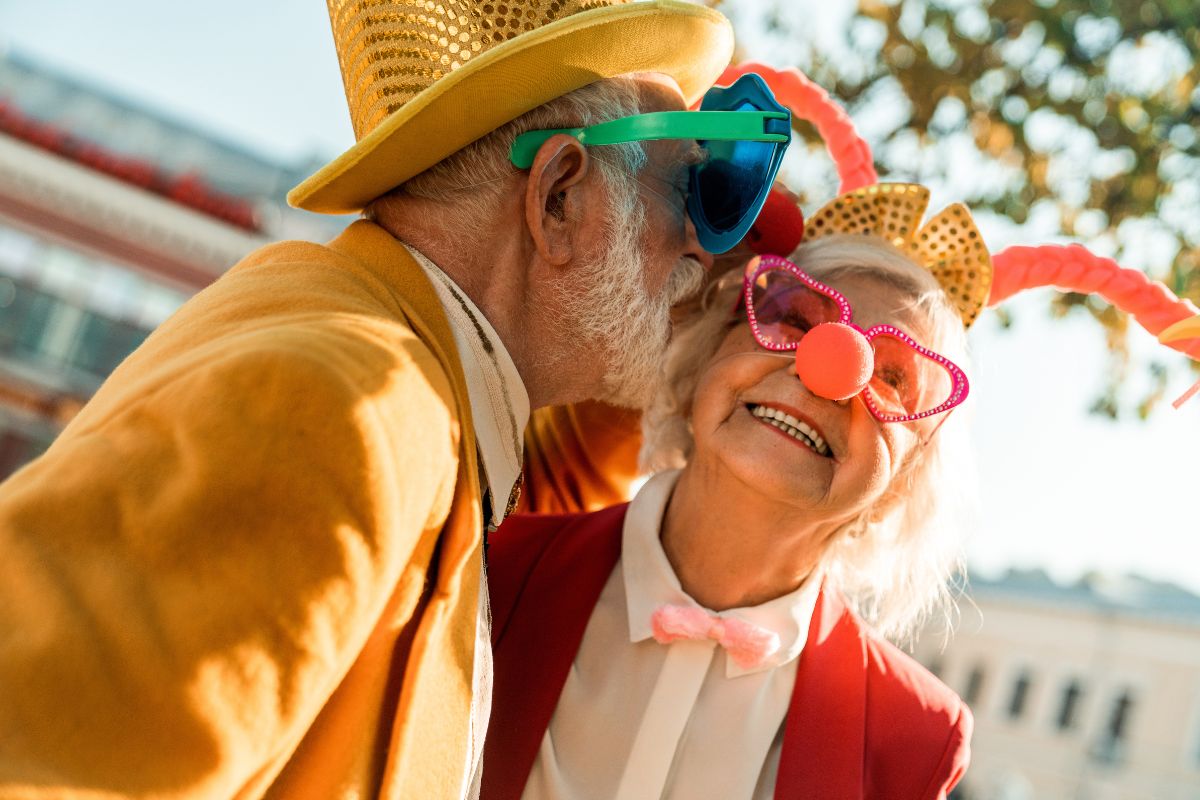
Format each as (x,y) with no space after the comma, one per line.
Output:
(252,565)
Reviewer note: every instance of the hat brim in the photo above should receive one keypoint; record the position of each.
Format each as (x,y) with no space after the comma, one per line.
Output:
(687,42)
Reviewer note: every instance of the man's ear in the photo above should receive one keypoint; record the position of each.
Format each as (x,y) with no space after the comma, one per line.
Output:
(560,165)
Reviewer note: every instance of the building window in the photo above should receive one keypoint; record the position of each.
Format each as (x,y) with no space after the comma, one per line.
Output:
(974,687)
(104,343)
(1118,723)
(1068,710)
(1110,748)
(49,332)
(24,320)
(1020,692)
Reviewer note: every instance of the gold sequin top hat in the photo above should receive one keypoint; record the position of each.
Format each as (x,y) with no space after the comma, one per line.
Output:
(425,78)
(948,245)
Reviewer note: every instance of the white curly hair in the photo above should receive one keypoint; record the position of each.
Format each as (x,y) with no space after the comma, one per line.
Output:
(896,562)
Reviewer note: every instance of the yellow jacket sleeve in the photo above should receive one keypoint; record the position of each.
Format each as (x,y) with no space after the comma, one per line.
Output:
(190,572)
(579,458)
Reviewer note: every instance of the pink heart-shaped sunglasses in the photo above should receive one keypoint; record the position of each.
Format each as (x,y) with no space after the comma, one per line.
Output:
(907,381)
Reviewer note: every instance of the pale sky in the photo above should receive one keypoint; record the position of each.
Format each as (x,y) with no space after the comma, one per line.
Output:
(1060,489)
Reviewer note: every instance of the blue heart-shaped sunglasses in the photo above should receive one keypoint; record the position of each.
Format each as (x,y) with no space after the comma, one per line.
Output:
(744,132)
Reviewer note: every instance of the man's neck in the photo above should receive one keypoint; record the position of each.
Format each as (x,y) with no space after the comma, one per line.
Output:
(492,271)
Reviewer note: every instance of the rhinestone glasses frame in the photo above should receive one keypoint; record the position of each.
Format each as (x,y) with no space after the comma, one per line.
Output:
(960,385)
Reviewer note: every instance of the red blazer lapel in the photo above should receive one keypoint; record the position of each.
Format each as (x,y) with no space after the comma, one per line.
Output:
(825,733)
(546,579)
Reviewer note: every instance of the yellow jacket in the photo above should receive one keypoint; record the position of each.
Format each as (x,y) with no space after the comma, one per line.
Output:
(250,566)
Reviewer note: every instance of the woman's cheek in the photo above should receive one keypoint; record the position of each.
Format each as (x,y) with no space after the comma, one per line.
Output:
(867,468)
(712,405)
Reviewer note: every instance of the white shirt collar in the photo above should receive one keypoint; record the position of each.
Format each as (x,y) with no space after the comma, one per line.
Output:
(499,401)
(650,582)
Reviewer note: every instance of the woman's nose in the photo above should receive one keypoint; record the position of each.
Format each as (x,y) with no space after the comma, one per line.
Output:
(834,361)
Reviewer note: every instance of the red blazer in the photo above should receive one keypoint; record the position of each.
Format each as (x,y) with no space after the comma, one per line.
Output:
(865,720)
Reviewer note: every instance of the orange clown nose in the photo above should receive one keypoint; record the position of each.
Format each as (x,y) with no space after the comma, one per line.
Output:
(834,361)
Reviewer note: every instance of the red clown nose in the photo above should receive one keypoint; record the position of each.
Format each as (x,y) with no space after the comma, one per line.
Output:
(834,361)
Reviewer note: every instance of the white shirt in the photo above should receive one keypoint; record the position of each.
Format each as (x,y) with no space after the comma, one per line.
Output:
(638,719)
(500,412)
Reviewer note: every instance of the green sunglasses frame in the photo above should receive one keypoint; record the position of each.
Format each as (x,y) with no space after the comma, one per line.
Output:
(724,126)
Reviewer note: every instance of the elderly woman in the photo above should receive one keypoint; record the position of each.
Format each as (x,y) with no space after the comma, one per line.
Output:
(713,638)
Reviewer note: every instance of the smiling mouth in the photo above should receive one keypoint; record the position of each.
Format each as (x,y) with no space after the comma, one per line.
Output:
(793,427)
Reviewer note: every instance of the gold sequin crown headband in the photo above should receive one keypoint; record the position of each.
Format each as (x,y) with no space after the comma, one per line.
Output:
(948,245)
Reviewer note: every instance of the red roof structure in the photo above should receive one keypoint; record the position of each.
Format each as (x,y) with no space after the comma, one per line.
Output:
(188,189)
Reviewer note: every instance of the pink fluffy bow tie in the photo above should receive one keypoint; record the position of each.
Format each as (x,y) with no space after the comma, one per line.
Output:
(747,644)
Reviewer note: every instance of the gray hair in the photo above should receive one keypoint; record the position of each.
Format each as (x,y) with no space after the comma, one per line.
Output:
(471,181)
(894,563)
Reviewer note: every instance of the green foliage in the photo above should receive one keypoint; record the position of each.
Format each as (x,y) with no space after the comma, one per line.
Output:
(1082,112)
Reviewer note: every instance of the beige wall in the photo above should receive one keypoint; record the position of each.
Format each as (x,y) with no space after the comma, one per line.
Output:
(1109,652)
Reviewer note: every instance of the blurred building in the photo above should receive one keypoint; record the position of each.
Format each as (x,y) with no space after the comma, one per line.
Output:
(111,215)
(1081,692)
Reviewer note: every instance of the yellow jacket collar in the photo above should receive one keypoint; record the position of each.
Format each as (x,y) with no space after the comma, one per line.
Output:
(388,260)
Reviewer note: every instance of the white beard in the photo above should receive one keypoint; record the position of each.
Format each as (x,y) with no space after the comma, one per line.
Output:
(618,317)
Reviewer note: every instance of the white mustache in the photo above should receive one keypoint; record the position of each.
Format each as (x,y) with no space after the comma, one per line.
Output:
(684,281)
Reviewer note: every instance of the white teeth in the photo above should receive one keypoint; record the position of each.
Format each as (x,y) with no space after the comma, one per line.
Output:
(792,426)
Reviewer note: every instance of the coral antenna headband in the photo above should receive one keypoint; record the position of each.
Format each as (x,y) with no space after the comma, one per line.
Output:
(948,245)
